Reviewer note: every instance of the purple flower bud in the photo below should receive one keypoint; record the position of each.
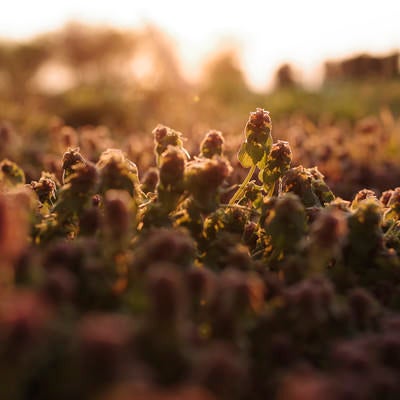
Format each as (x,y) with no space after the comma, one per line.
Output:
(222,372)
(45,189)
(385,197)
(364,308)
(103,344)
(160,132)
(71,158)
(172,166)
(201,283)
(23,317)
(60,286)
(150,180)
(361,196)
(166,295)
(118,207)
(212,144)
(259,119)
(329,229)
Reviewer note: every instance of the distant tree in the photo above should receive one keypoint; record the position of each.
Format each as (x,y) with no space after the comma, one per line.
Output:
(19,63)
(285,77)
(167,63)
(224,78)
(94,54)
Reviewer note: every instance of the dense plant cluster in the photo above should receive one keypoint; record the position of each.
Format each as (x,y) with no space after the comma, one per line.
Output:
(351,156)
(176,284)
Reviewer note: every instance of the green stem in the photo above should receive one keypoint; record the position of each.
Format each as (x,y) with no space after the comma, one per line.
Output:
(271,190)
(239,193)
(390,229)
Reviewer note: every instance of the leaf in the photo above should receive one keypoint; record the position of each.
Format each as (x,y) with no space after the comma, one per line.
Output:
(255,151)
(244,158)
(263,162)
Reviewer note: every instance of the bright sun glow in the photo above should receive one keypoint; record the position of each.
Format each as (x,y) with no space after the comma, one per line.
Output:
(266,33)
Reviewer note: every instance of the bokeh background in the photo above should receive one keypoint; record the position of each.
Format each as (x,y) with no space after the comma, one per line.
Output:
(104,74)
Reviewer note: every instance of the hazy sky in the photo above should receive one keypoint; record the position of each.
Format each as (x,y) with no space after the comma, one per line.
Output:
(268,33)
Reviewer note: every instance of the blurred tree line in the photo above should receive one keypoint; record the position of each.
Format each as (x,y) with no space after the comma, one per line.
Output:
(131,80)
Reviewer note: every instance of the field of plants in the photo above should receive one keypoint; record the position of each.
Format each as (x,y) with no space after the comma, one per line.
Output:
(177,242)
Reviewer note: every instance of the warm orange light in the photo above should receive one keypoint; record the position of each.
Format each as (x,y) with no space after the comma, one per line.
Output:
(267,33)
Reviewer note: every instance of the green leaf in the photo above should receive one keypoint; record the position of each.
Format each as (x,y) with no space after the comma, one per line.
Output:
(244,158)
(263,162)
(267,146)
(255,151)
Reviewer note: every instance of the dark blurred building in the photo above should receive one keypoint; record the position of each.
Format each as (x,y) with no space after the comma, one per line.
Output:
(363,66)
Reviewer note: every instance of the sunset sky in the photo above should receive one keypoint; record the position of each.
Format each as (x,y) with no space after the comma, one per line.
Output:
(266,33)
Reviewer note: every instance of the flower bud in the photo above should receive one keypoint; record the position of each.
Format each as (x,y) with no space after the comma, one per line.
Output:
(361,196)
(164,137)
(329,229)
(118,208)
(352,356)
(13,230)
(83,179)
(164,245)
(63,254)
(278,162)
(45,189)
(172,166)
(305,385)
(71,157)
(364,308)
(309,185)
(165,292)
(203,178)
(257,146)
(385,197)
(285,221)
(160,132)
(319,186)
(23,316)
(369,212)
(212,144)
(298,181)
(200,283)
(10,174)
(103,342)
(150,180)
(90,221)
(222,372)
(394,202)
(259,120)
(313,299)
(117,172)
(60,286)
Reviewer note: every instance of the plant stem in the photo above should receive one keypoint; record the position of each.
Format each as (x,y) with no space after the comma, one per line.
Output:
(239,193)
(271,190)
